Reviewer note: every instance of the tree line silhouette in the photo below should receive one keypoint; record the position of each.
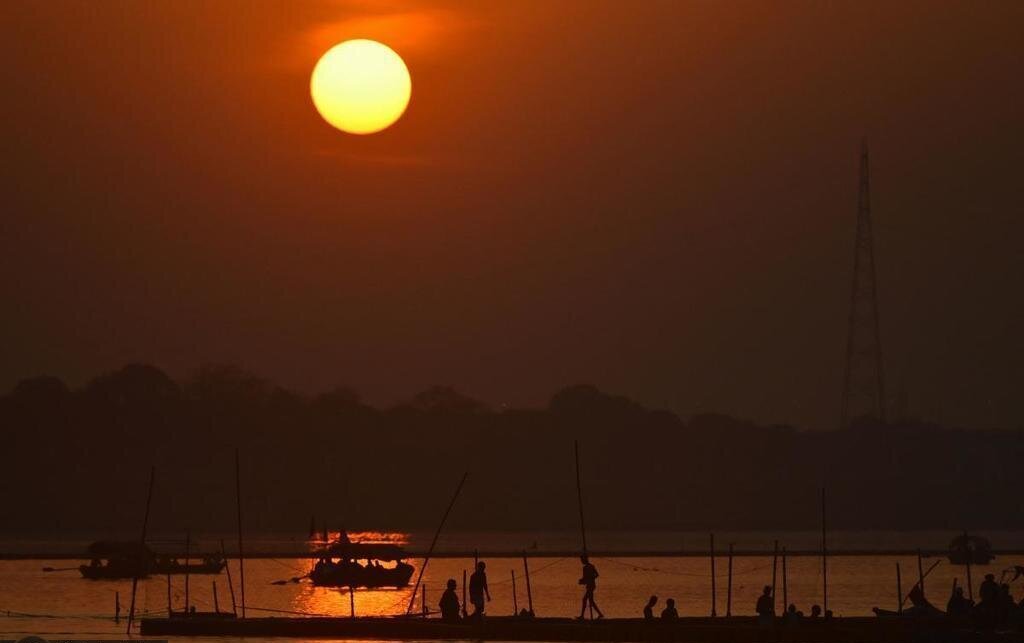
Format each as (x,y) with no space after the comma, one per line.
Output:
(77,461)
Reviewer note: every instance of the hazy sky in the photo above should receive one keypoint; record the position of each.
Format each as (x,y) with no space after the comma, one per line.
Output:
(658,198)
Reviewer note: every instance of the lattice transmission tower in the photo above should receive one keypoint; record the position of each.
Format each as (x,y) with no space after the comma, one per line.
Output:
(863,383)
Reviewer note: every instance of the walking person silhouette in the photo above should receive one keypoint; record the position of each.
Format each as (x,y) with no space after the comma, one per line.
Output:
(589,581)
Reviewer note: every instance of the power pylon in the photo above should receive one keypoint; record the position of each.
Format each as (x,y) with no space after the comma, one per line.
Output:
(863,385)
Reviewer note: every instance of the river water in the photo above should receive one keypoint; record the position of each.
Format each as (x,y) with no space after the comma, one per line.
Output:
(62,604)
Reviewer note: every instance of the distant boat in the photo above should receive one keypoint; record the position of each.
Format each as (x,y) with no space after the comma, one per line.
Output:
(337,566)
(119,559)
(973,550)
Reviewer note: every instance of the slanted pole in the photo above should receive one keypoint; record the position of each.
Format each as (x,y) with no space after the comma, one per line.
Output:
(433,543)
(785,583)
(241,549)
(423,597)
(529,592)
(728,590)
(351,601)
(712,554)
(170,608)
(216,602)
(515,603)
(142,542)
(899,591)
(231,586)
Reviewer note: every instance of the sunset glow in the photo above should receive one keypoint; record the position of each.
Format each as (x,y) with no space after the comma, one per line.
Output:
(361,86)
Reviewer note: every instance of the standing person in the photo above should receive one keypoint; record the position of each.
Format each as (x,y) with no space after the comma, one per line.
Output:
(449,603)
(649,608)
(477,589)
(766,606)
(589,580)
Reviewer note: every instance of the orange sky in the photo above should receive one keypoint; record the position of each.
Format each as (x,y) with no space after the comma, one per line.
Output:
(657,198)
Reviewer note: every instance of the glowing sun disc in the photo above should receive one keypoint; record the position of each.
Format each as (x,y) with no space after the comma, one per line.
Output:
(360,86)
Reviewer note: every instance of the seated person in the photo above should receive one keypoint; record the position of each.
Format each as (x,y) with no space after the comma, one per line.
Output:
(449,603)
(670,613)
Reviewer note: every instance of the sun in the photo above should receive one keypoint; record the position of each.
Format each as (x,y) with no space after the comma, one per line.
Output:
(360,86)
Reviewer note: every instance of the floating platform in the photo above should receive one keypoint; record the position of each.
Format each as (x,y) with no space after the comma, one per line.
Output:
(683,630)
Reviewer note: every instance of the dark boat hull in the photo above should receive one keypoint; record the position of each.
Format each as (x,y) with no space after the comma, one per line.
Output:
(342,575)
(121,572)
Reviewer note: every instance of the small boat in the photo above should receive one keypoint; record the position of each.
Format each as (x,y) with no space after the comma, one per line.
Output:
(337,566)
(973,550)
(133,559)
(123,560)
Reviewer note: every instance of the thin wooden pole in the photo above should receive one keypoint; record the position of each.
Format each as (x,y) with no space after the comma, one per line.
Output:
(579,495)
(824,555)
(728,590)
(231,586)
(142,548)
(464,612)
(170,608)
(515,600)
(712,553)
(351,601)
(529,591)
(423,596)
(216,602)
(970,585)
(187,543)
(241,549)
(899,591)
(117,607)
(775,567)
(419,577)
(920,571)
(785,582)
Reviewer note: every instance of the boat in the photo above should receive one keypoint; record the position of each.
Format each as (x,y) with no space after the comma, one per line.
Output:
(336,565)
(970,550)
(113,559)
(123,560)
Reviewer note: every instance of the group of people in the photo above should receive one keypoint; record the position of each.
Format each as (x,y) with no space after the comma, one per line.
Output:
(996,605)
(452,611)
(478,590)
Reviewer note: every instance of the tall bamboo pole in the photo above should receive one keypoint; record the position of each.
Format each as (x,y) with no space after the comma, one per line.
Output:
(231,586)
(899,591)
(241,549)
(142,542)
(728,591)
(712,553)
(187,544)
(419,577)
(824,555)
